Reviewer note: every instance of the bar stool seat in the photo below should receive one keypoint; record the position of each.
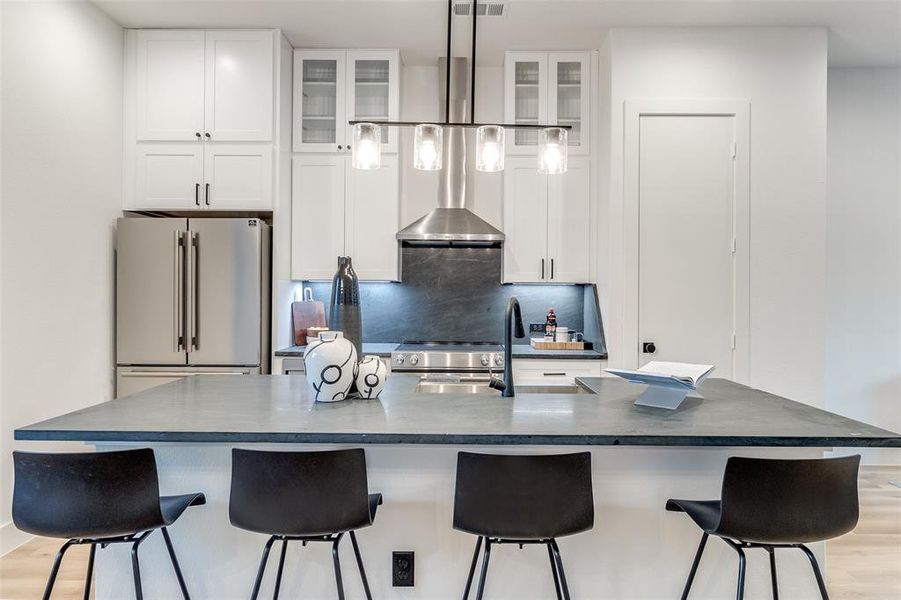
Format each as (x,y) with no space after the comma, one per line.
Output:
(774,503)
(522,499)
(96,498)
(705,513)
(305,497)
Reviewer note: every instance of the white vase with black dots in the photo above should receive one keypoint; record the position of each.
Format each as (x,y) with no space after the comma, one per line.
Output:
(331,366)
(371,377)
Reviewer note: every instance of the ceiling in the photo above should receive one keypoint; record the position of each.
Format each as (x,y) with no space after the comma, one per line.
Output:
(861,32)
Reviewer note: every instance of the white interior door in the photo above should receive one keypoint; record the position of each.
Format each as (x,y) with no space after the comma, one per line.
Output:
(525,222)
(373,218)
(169,82)
(317,215)
(239,78)
(686,266)
(169,176)
(238,176)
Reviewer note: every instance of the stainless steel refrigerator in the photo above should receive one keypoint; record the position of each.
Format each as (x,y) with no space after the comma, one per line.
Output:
(192,297)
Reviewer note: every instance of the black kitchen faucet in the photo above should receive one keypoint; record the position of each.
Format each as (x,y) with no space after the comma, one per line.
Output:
(513,312)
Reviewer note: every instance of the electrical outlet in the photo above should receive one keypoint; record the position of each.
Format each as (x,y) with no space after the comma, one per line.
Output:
(402,569)
(536,327)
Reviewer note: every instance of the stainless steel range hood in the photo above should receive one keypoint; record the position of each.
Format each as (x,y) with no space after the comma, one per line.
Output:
(452,222)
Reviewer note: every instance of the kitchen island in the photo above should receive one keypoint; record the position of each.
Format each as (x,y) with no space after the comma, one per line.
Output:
(640,457)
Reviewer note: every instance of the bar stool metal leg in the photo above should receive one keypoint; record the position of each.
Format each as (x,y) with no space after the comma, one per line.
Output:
(136,568)
(339,582)
(550,555)
(740,590)
(772,552)
(262,568)
(172,557)
(281,568)
(484,573)
(816,571)
(90,575)
(48,589)
(694,566)
(557,556)
(353,540)
(472,568)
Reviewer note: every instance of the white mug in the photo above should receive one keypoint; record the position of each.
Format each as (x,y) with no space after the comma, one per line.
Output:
(562,334)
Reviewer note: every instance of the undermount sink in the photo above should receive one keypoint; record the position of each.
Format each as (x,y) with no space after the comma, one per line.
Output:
(480,386)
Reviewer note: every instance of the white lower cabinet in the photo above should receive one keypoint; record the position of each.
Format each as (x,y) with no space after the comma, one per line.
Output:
(341,211)
(547,223)
(203,175)
(531,371)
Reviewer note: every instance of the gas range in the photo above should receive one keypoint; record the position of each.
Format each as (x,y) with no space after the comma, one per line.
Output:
(447,357)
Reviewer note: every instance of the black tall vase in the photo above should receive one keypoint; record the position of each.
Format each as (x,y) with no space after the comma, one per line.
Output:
(344,308)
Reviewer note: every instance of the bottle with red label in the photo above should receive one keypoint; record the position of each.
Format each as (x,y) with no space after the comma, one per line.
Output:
(550,325)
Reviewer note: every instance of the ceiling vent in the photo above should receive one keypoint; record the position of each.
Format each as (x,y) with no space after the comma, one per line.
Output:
(485,9)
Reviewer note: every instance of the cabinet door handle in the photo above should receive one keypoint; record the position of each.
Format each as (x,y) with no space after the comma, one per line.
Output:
(197,194)
(206,193)
(552,268)
(208,136)
(197,133)
(561,374)
(339,147)
(542,268)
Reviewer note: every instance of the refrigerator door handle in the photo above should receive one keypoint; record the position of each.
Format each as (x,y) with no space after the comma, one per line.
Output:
(177,373)
(192,279)
(178,273)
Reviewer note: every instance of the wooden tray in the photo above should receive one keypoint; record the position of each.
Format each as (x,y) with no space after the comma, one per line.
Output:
(540,344)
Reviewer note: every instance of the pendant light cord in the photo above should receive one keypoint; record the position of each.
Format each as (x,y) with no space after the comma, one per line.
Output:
(472,83)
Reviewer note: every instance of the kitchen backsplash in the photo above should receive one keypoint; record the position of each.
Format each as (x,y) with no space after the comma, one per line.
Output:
(455,294)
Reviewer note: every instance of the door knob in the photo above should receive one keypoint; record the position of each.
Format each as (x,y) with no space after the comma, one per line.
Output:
(648,347)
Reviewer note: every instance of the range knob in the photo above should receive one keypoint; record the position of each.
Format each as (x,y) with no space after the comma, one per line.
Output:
(414,360)
(498,359)
(399,359)
(484,359)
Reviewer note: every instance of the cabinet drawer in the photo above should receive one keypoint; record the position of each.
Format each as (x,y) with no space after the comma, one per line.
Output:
(560,372)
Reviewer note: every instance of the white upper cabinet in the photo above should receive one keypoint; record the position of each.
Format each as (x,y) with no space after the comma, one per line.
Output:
(169,176)
(239,85)
(215,85)
(237,176)
(547,87)
(569,223)
(338,210)
(547,223)
(169,85)
(332,87)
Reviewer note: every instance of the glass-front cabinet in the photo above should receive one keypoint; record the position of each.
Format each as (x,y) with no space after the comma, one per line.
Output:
(551,88)
(332,87)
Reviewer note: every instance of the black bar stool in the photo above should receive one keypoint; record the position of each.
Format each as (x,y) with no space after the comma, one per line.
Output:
(522,500)
(770,504)
(305,497)
(96,498)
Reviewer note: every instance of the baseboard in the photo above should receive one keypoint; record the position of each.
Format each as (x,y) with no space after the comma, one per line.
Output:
(11,538)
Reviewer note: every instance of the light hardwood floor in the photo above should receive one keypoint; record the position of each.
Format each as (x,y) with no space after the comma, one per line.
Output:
(863,565)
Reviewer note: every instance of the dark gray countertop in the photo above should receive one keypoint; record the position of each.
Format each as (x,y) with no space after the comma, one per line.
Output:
(280,408)
(519,351)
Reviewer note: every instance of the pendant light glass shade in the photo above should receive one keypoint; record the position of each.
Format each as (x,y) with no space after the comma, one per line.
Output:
(552,150)
(490,148)
(428,141)
(367,146)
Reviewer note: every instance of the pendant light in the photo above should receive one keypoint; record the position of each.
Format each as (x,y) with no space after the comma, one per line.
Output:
(367,146)
(490,148)
(428,144)
(428,137)
(552,150)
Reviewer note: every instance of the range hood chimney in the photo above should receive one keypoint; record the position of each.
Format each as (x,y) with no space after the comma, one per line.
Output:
(452,222)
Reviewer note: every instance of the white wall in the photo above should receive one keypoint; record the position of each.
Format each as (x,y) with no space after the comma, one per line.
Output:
(782,72)
(863,249)
(61,152)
